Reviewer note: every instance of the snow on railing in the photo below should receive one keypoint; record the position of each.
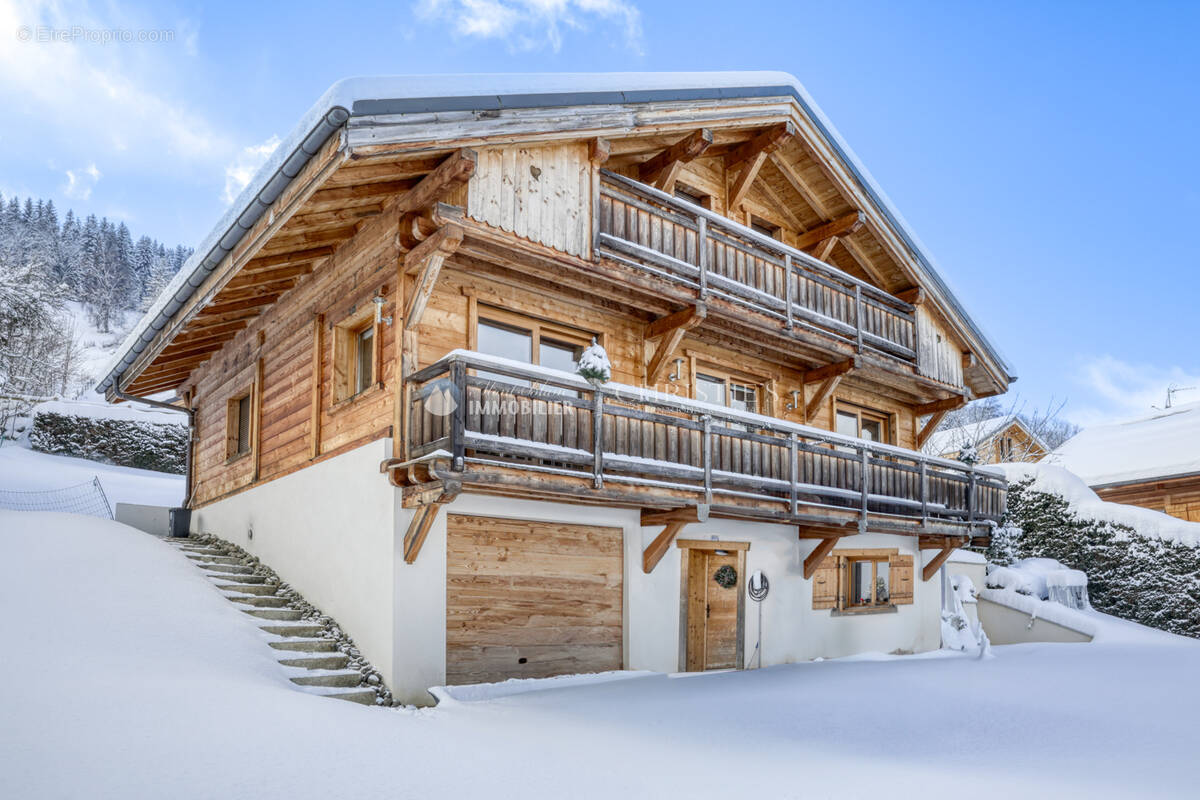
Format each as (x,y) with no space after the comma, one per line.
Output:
(491,406)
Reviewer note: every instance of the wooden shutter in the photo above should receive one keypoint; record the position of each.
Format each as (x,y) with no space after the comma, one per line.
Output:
(825,584)
(900,569)
(243,434)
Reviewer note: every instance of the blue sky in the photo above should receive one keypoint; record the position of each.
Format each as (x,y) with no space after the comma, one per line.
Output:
(1044,152)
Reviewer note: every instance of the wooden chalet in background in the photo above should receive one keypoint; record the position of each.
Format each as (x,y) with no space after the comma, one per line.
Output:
(379,344)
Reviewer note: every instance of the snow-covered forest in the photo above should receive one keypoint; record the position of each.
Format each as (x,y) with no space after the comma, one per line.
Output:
(48,268)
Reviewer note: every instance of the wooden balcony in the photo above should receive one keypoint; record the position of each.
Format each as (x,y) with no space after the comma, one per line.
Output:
(641,226)
(500,426)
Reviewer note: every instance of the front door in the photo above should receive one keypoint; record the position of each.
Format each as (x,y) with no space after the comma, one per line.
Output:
(714,584)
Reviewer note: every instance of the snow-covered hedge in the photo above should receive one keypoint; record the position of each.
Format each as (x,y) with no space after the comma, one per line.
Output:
(125,436)
(1149,579)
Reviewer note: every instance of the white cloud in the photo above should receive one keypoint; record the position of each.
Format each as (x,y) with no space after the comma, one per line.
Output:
(533,24)
(242,169)
(1120,390)
(80,182)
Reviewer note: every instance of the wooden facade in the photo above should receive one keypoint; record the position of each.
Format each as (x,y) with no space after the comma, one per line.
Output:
(1178,496)
(707,238)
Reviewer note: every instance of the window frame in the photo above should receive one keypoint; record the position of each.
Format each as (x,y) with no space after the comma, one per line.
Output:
(233,425)
(346,361)
(690,194)
(711,370)
(845,561)
(860,412)
(538,330)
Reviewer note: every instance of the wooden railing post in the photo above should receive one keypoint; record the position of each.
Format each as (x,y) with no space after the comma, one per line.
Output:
(924,493)
(865,485)
(794,472)
(858,316)
(597,439)
(971,497)
(706,421)
(458,419)
(787,290)
(702,254)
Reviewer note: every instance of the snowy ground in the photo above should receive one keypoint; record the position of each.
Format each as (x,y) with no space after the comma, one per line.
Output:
(123,674)
(27,470)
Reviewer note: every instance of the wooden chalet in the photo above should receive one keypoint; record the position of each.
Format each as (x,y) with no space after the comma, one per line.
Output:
(378,349)
(1000,440)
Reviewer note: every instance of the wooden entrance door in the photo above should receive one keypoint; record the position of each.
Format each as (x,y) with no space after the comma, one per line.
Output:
(714,613)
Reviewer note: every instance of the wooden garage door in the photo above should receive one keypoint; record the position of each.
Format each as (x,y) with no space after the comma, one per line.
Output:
(530,599)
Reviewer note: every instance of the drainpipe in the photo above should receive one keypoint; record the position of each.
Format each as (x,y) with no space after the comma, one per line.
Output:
(191,432)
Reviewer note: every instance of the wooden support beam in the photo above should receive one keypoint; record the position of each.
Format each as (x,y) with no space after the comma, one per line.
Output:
(934,565)
(842,226)
(696,513)
(428,257)
(448,176)
(669,330)
(745,161)
(929,427)
(599,149)
(914,296)
(825,249)
(663,169)
(949,404)
(422,521)
(831,370)
(823,392)
(824,548)
(799,186)
(658,548)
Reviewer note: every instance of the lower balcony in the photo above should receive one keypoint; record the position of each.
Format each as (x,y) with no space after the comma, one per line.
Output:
(491,425)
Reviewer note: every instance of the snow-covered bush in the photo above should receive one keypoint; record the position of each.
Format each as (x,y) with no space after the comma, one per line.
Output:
(1146,579)
(76,429)
(594,364)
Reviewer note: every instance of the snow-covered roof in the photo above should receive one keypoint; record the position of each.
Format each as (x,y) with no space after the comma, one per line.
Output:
(951,440)
(1159,445)
(446,94)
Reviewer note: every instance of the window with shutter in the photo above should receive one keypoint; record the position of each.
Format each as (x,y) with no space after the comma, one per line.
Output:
(850,581)
(239,425)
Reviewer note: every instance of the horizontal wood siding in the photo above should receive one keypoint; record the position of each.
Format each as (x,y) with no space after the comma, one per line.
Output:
(540,193)
(531,599)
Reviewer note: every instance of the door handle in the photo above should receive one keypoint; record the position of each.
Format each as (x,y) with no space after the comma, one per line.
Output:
(707,610)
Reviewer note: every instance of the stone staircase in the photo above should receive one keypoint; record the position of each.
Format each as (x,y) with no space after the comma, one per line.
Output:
(313,651)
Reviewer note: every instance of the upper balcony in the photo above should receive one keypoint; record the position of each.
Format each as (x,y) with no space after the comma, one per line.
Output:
(493,425)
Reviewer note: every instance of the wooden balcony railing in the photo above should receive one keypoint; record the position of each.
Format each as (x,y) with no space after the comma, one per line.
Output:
(483,410)
(644,227)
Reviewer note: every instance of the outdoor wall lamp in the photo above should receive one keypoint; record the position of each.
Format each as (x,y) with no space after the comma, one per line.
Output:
(678,373)
(378,300)
(795,404)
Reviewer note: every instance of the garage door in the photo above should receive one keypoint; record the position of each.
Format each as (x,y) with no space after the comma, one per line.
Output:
(530,599)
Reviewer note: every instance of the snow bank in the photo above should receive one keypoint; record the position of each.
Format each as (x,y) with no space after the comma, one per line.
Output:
(478,692)
(125,674)
(26,470)
(127,412)
(1087,505)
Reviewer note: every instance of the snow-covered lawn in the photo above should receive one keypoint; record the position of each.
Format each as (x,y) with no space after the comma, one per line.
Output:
(28,470)
(123,673)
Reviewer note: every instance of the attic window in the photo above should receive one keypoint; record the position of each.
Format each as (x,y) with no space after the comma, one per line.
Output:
(692,196)
(759,225)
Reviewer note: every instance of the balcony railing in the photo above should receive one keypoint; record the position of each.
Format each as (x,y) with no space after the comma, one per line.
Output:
(482,410)
(642,226)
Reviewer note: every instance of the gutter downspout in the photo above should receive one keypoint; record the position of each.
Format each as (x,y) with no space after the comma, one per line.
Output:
(191,434)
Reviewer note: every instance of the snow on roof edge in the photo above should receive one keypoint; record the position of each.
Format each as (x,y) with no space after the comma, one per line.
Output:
(357,96)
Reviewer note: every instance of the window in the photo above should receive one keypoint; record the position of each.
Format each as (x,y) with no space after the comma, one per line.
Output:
(693,196)
(530,341)
(863,423)
(868,582)
(355,355)
(857,581)
(725,390)
(759,225)
(238,416)
(364,362)
(1004,448)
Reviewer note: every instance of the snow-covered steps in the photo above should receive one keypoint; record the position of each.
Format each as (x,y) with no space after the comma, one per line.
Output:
(310,648)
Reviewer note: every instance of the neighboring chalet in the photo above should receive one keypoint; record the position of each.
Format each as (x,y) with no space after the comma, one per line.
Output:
(996,441)
(379,344)
(1152,461)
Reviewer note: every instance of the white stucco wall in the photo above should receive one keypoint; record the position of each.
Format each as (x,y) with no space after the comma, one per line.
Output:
(792,630)
(329,531)
(1006,625)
